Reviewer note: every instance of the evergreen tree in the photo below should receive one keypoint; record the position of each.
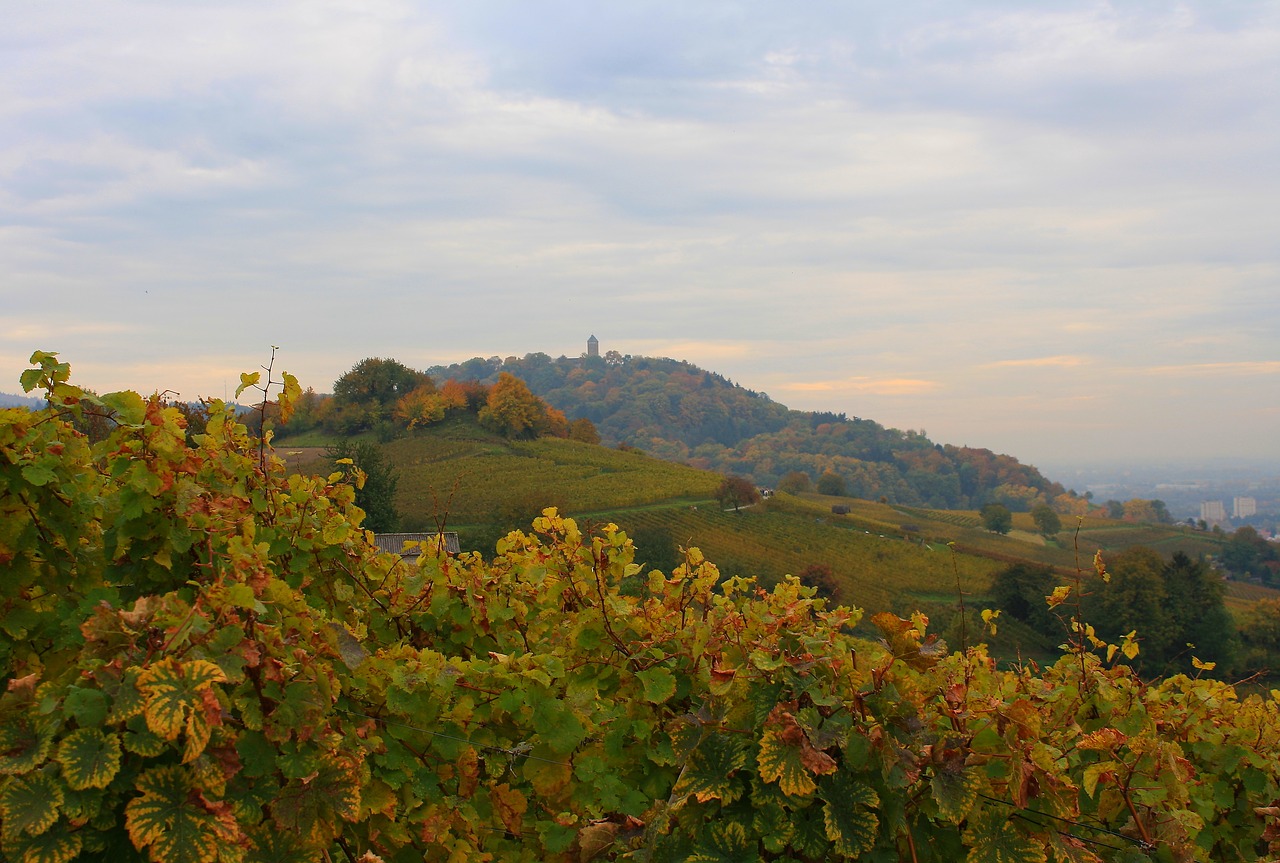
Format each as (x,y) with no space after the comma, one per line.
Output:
(377,496)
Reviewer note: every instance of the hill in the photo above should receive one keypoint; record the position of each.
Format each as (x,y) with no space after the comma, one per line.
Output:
(677,411)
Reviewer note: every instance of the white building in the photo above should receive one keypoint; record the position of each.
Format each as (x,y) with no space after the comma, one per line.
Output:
(1212,511)
(1243,507)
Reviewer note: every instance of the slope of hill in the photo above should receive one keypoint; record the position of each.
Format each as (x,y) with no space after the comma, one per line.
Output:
(680,412)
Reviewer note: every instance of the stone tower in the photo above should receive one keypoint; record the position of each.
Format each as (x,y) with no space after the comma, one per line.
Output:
(593,347)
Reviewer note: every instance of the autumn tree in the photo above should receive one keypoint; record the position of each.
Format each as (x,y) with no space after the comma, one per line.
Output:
(584,430)
(512,410)
(420,407)
(736,492)
(821,578)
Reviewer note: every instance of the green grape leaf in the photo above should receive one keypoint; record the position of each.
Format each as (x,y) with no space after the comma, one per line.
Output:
(709,773)
(52,846)
(175,820)
(954,790)
(30,804)
(557,725)
(312,807)
(725,842)
(129,407)
(659,684)
(849,814)
(993,838)
(772,824)
(143,741)
(809,835)
(22,748)
(89,758)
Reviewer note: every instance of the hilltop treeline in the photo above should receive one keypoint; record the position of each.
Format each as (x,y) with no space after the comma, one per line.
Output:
(677,411)
(389,398)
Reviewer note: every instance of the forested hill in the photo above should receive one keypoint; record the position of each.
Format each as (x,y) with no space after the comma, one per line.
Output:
(677,411)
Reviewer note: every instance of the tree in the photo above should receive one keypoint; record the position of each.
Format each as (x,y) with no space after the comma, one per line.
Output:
(821,578)
(378,381)
(831,483)
(367,394)
(584,430)
(1046,519)
(1136,599)
(997,518)
(1020,590)
(1195,602)
(512,410)
(795,482)
(376,494)
(737,491)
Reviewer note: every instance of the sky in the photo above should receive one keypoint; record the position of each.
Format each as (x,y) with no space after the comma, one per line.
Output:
(1052,230)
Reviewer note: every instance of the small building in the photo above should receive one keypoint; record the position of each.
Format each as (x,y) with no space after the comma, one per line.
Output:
(593,347)
(394,543)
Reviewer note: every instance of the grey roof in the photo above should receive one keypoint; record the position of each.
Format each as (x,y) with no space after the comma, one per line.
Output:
(393,543)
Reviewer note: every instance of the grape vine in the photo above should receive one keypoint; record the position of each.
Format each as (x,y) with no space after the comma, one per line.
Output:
(208,660)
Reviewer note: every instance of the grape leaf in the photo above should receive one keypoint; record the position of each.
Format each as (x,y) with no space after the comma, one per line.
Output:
(312,807)
(788,758)
(849,814)
(709,773)
(954,790)
(659,684)
(30,804)
(992,838)
(52,846)
(178,698)
(175,820)
(89,758)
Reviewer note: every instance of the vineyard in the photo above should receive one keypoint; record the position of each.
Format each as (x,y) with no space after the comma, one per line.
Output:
(475,476)
(770,544)
(208,661)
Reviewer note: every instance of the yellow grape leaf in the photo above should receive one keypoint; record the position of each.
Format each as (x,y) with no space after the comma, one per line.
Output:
(1059,595)
(1196,662)
(179,697)
(247,379)
(1095,773)
(510,804)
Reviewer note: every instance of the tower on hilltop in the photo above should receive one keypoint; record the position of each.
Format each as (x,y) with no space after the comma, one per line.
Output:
(593,347)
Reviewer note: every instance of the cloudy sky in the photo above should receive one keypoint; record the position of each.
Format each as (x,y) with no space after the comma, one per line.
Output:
(1048,229)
